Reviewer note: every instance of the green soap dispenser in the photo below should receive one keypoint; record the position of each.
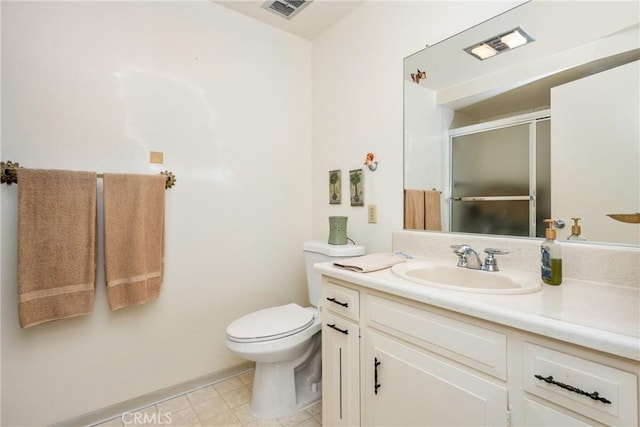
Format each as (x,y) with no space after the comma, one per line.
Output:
(551,268)
(576,231)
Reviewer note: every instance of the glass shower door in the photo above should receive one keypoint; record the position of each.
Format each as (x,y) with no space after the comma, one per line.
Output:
(493,179)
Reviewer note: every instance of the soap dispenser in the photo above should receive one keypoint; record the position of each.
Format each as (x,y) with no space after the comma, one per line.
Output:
(576,231)
(551,268)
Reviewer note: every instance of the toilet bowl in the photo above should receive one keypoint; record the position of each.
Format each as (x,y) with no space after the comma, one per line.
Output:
(287,376)
(285,343)
(273,334)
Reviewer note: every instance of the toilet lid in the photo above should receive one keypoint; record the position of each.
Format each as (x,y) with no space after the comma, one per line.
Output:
(270,323)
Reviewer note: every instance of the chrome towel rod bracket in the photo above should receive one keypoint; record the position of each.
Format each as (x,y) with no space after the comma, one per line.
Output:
(9,175)
(8,171)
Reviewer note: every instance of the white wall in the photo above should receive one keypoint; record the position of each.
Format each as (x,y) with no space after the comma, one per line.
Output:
(595,150)
(96,86)
(421,142)
(357,103)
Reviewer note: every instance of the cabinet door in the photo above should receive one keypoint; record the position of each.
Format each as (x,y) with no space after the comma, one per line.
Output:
(536,414)
(403,385)
(340,372)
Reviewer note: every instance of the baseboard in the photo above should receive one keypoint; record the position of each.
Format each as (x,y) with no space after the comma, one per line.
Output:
(105,414)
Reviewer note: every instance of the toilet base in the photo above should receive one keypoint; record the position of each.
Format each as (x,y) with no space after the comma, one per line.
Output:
(281,389)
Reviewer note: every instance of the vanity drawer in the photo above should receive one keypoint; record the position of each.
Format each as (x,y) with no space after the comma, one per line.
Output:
(341,300)
(474,346)
(597,391)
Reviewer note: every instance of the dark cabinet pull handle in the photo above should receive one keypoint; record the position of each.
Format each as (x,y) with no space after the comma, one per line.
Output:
(595,395)
(376,384)
(333,300)
(333,326)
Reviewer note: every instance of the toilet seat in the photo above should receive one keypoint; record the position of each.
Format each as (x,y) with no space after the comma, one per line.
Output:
(270,324)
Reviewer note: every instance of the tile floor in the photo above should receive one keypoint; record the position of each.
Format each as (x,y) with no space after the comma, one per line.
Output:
(225,403)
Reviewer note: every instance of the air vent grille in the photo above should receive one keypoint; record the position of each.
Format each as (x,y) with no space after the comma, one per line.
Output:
(286,8)
(497,44)
(282,8)
(296,3)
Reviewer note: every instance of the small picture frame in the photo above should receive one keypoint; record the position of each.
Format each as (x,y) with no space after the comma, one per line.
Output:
(356,186)
(335,187)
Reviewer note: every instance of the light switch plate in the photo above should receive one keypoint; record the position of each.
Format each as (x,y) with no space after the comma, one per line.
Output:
(372,214)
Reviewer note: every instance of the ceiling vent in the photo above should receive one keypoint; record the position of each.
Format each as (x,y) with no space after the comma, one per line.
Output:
(286,8)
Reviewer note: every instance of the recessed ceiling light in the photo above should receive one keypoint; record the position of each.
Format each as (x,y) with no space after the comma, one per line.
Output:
(483,51)
(499,44)
(514,39)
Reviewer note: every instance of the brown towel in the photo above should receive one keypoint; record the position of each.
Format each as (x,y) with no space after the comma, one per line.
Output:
(133,237)
(414,209)
(56,244)
(432,210)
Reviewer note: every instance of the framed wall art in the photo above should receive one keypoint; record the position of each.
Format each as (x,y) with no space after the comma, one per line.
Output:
(356,187)
(335,187)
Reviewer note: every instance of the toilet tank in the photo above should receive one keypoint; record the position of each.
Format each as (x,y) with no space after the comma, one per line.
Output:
(321,251)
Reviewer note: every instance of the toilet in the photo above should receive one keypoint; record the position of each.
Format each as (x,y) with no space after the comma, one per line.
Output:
(285,343)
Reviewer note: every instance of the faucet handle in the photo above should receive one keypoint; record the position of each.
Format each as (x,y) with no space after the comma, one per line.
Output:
(461,251)
(490,262)
(494,251)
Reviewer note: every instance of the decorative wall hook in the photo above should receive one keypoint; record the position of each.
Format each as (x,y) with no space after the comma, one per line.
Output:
(418,75)
(368,161)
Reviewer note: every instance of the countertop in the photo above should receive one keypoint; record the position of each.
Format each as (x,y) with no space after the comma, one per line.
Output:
(594,315)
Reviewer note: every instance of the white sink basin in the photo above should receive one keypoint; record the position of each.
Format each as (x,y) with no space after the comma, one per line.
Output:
(440,275)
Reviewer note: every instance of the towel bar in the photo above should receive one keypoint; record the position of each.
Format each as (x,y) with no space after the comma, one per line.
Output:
(9,174)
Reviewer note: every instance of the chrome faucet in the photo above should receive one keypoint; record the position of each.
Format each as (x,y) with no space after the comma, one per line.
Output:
(475,263)
(463,251)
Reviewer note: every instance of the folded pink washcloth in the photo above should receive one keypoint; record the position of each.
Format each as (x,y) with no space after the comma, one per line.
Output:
(371,262)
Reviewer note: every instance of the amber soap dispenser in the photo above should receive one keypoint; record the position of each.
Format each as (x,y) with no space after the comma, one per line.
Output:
(551,266)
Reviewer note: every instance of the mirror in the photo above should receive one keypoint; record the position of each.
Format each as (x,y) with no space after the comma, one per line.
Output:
(580,72)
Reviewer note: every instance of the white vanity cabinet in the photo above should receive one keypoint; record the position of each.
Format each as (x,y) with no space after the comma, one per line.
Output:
(576,385)
(416,368)
(404,385)
(417,364)
(340,356)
